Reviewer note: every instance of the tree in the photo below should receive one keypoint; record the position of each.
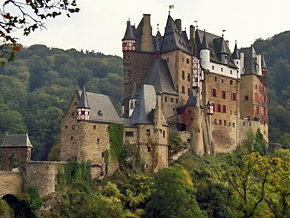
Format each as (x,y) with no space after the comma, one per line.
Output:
(28,16)
(174,195)
(285,140)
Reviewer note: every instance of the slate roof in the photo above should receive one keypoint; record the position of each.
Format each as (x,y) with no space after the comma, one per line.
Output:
(102,109)
(263,62)
(236,54)
(159,76)
(191,99)
(215,44)
(16,141)
(250,62)
(129,34)
(174,39)
(83,102)
(146,102)
(128,123)
(134,92)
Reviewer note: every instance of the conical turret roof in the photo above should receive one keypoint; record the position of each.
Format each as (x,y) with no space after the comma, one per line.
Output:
(263,62)
(223,49)
(83,103)
(204,44)
(235,54)
(129,35)
(134,91)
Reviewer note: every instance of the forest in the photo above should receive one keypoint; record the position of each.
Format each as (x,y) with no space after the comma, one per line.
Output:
(35,90)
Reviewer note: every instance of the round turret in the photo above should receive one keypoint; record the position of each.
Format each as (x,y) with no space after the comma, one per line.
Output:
(204,54)
(129,41)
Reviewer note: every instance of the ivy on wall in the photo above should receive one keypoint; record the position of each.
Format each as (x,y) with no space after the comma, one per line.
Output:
(116,133)
(74,172)
(106,156)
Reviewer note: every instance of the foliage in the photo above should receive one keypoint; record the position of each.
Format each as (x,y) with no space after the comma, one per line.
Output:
(54,154)
(116,134)
(285,140)
(74,172)
(27,16)
(35,201)
(172,197)
(4,209)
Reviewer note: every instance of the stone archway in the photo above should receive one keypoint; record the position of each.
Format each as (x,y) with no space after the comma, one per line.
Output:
(19,209)
(14,163)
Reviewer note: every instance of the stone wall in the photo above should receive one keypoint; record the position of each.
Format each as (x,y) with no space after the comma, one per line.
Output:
(244,125)
(42,174)
(223,124)
(10,183)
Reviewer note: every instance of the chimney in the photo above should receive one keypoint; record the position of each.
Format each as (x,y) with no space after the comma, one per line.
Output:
(178,24)
(192,32)
(147,18)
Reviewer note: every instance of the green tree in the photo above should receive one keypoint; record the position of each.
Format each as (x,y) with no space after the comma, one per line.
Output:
(174,195)
(54,154)
(285,140)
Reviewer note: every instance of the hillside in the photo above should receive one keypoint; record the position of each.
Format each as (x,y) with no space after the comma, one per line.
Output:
(39,85)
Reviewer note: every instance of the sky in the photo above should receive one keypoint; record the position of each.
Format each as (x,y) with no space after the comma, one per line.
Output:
(100,25)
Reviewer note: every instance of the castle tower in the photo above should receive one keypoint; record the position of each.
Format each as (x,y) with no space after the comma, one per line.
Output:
(83,108)
(129,41)
(204,54)
(236,56)
(264,67)
(222,53)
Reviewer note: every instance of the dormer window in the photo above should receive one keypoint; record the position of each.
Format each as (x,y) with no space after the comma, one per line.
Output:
(100,113)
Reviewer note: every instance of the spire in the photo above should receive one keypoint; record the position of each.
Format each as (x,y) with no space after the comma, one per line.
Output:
(223,49)
(83,103)
(134,92)
(204,43)
(263,63)
(192,99)
(235,54)
(129,35)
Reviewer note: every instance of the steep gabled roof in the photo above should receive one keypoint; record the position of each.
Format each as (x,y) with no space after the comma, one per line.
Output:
(134,91)
(159,76)
(250,62)
(83,103)
(102,109)
(16,141)
(146,102)
(174,39)
(216,45)
(236,54)
(192,99)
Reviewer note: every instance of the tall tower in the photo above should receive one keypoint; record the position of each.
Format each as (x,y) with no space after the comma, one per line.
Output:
(83,108)
(204,53)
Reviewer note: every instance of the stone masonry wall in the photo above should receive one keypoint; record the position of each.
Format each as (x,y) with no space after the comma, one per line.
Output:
(10,183)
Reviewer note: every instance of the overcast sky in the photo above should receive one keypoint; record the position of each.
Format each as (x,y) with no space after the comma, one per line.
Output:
(100,25)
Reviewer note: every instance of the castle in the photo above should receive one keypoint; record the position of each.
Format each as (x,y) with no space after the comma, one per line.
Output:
(192,85)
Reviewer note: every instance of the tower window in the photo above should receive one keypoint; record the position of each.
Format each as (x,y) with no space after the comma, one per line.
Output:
(165,99)
(231,82)
(222,80)
(95,127)
(103,154)
(183,76)
(71,138)
(177,100)
(234,96)
(224,109)
(183,89)
(188,90)
(225,123)
(224,95)
(163,134)
(148,132)
(246,97)
(215,78)
(98,141)
(167,59)
(220,122)
(188,77)
(187,60)
(171,100)
(212,67)
(222,69)
(213,92)
(149,149)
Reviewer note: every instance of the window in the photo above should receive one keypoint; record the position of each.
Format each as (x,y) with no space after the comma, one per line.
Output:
(146,165)
(183,89)
(212,67)
(183,75)
(258,110)
(163,134)
(225,123)
(215,78)
(188,91)
(129,134)
(231,82)
(234,96)
(71,138)
(177,100)
(213,92)
(256,96)
(224,109)
(231,72)
(222,69)
(95,127)
(224,95)
(188,77)
(148,132)
(215,122)
(98,141)
(222,80)
(246,97)
(103,154)
(149,149)
(167,59)
(171,100)
(234,125)
(229,123)
(189,111)
(219,108)
(187,60)
(220,122)
(165,99)
(65,127)
(213,105)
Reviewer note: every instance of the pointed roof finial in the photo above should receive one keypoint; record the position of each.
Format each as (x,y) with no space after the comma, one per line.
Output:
(129,35)
(196,24)
(223,33)
(235,54)
(157,27)
(83,103)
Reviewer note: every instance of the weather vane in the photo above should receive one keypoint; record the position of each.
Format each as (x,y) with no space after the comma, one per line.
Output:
(158,27)
(196,24)
(169,8)
(223,33)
